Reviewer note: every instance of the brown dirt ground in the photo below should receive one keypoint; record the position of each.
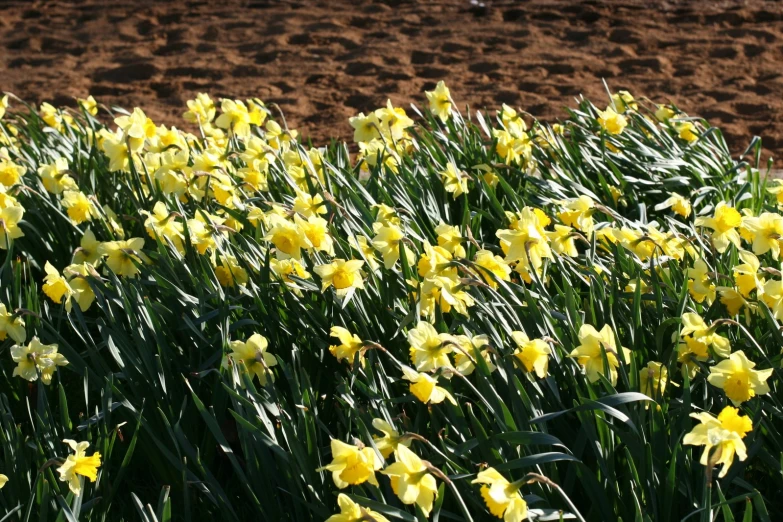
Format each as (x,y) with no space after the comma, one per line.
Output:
(323,61)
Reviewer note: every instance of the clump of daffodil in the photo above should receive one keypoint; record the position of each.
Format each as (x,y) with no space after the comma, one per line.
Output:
(350,344)
(252,357)
(350,511)
(440,101)
(738,378)
(425,387)
(352,465)
(502,497)
(391,438)
(724,225)
(596,350)
(533,355)
(79,464)
(721,437)
(36,358)
(411,480)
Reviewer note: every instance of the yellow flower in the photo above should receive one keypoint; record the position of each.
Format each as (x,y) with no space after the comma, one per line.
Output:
(425,387)
(55,177)
(767,231)
(344,275)
(286,236)
(464,359)
(9,225)
(350,511)
(775,187)
(724,224)
(699,285)
(450,239)
(686,130)
(512,121)
(612,122)
(230,273)
(254,357)
(492,264)
(56,287)
(3,478)
(663,113)
(624,101)
(316,232)
(695,327)
(235,117)
(10,173)
(11,325)
(308,205)
(360,244)
(161,223)
(440,101)
(89,104)
(288,267)
(365,128)
(738,378)
(80,207)
(393,121)
(454,180)
(388,241)
(428,348)
(679,204)
(746,275)
(77,278)
(352,465)
(3,105)
(590,352)
(721,437)
(773,297)
(562,241)
(391,438)
(137,127)
(526,242)
(502,498)
(350,344)
(123,256)
(448,292)
(733,300)
(578,213)
(36,358)
(433,261)
(653,379)
(79,464)
(201,110)
(533,355)
(411,481)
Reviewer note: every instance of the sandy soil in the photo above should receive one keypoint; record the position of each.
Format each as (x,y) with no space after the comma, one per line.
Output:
(323,61)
